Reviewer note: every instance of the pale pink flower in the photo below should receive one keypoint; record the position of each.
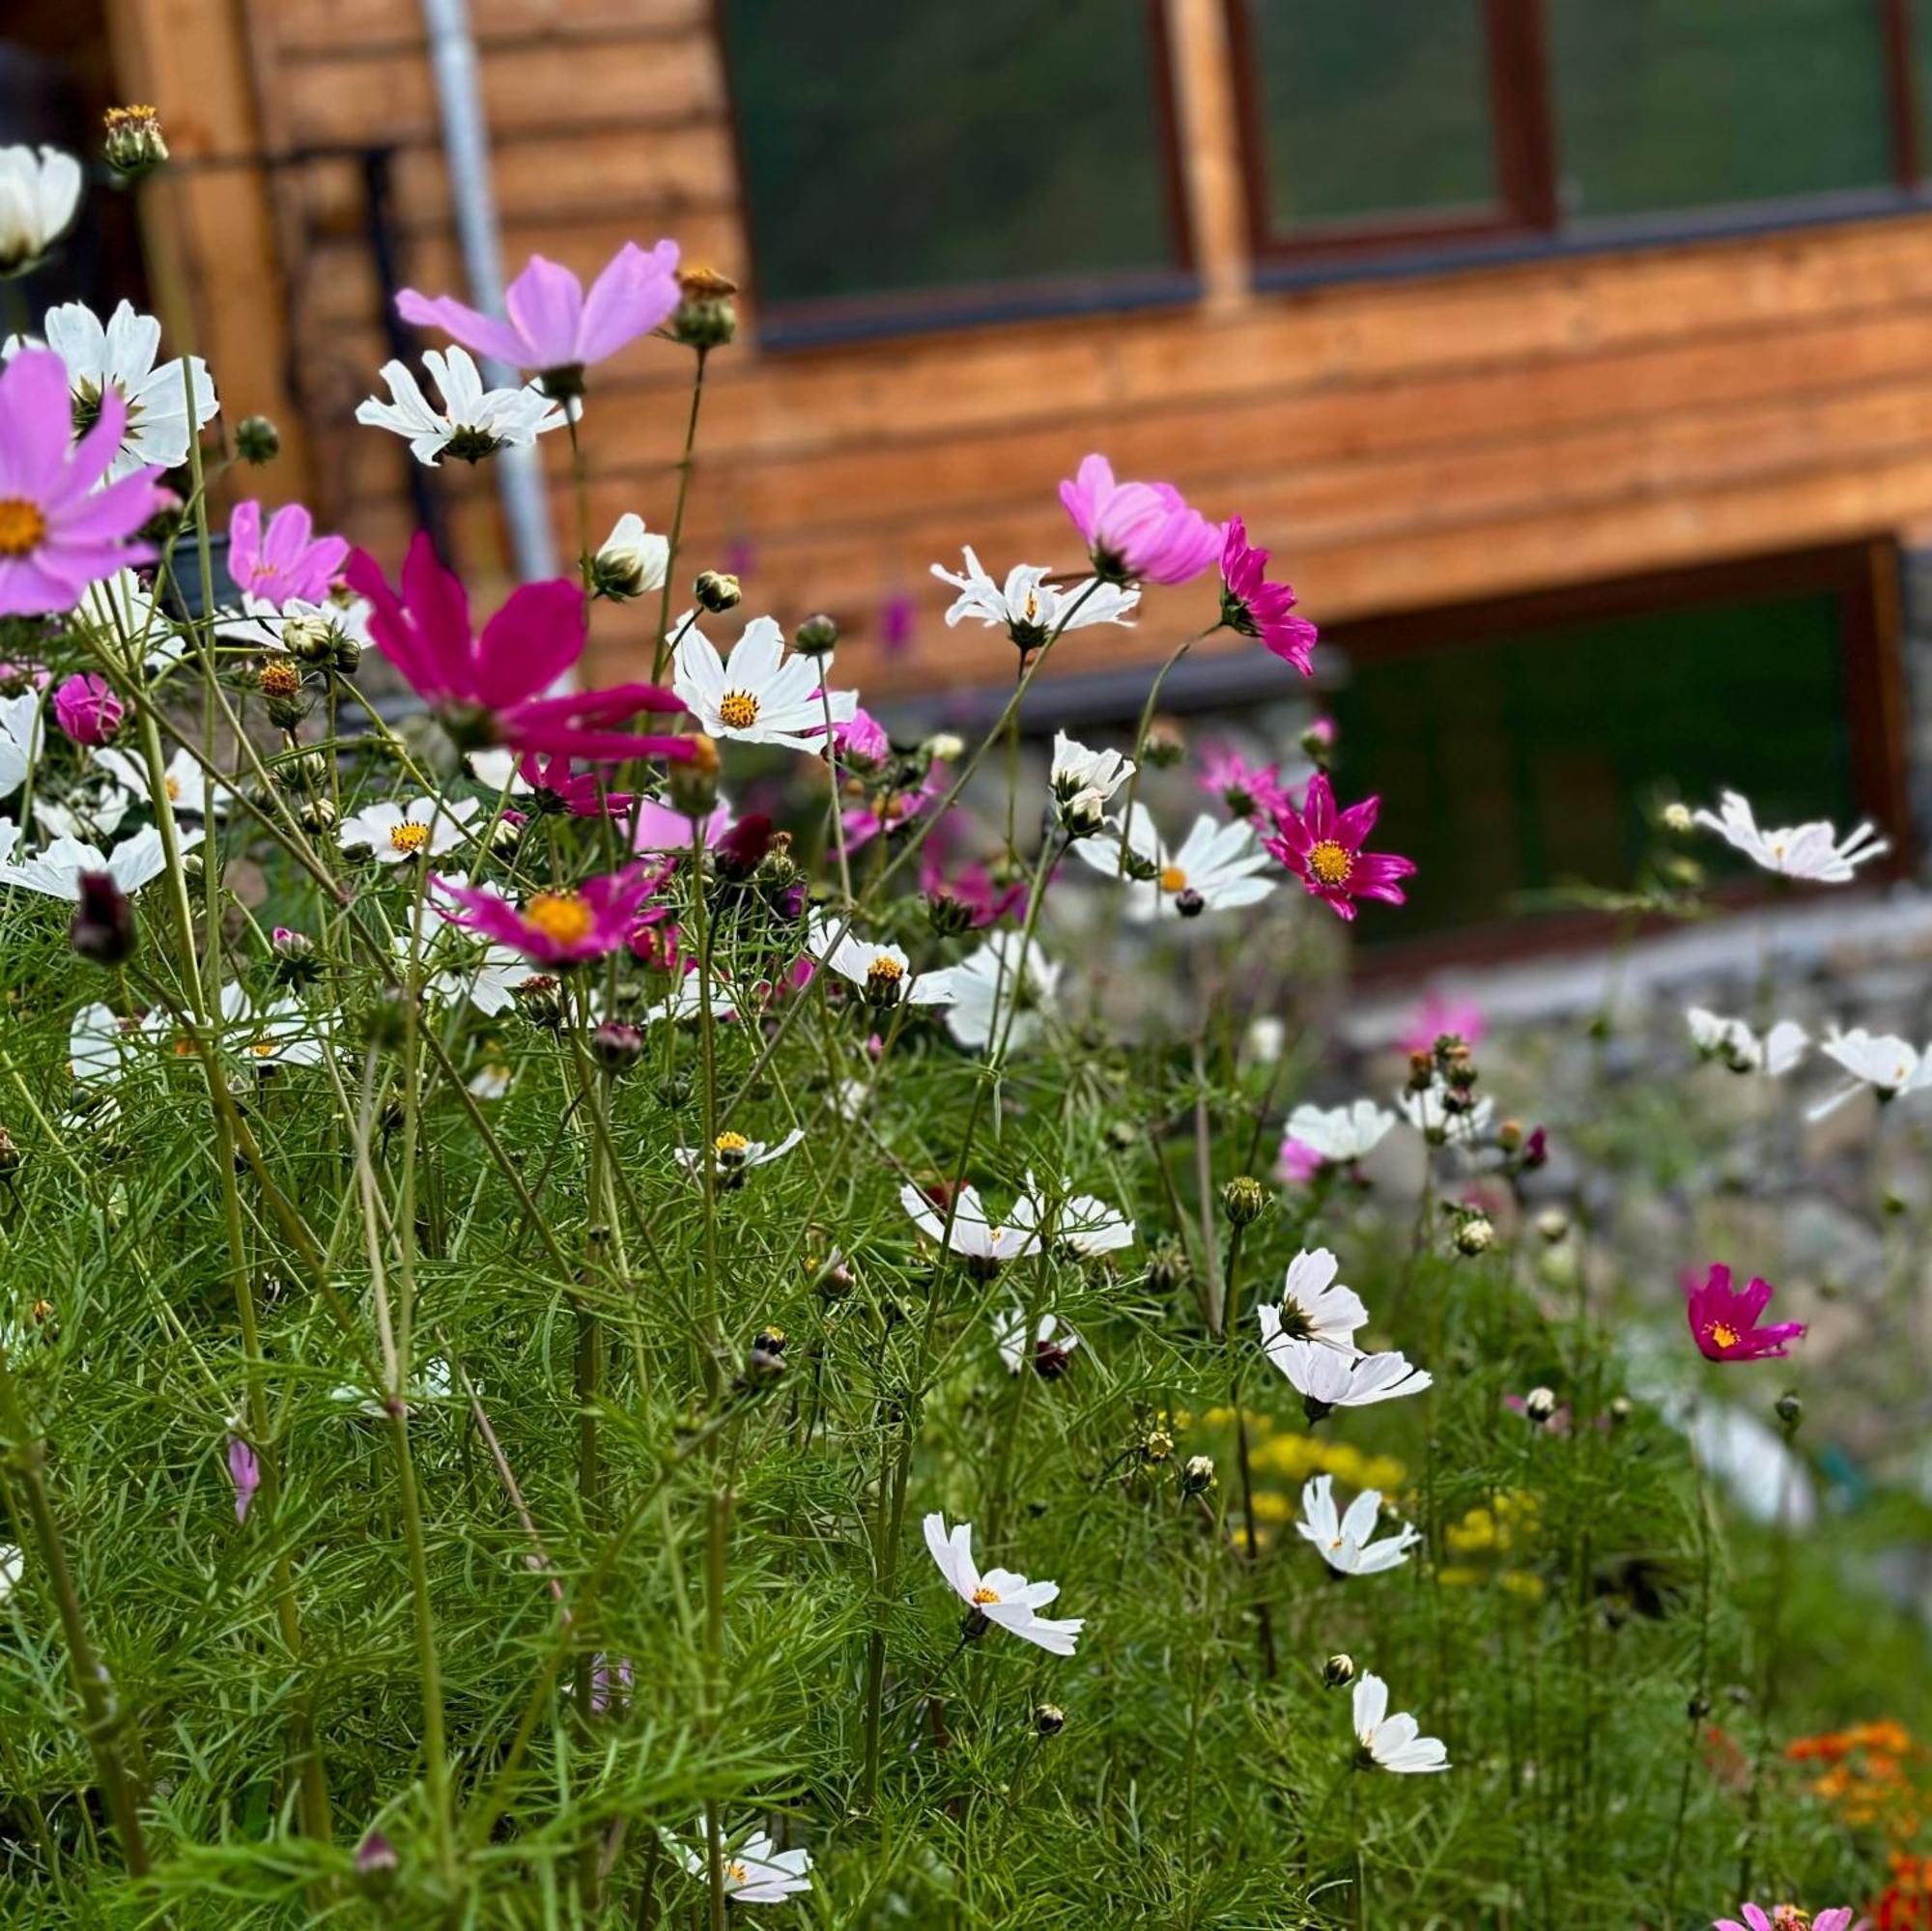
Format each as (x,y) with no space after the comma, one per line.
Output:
(1138,530)
(285,561)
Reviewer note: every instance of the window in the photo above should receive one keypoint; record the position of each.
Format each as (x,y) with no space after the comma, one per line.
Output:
(1520,746)
(1415,121)
(952,161)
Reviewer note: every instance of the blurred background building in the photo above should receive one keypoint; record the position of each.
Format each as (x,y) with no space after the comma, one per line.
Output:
(1573,355)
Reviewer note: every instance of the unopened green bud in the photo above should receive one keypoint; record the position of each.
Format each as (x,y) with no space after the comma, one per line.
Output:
(717,591)
(1338,1672)
(815,635)
(257,439)
(1244,1200)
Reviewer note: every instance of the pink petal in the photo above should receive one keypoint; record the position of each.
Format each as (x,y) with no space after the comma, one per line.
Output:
(484,333)
(634,293)
(545,303)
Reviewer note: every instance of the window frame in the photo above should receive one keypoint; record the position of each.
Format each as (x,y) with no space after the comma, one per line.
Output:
(821,321)
(1529,221)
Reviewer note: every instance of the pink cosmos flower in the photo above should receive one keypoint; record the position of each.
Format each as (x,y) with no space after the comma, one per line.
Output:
(659,828)
(973,887)
(1255,608)
(891,809)
(581,793)
(86,708)
(1138,531)
(1247,790)
(246,1472)
(1323,848)
(1438,1015)
(490,689)
(286,561)
(557,927)
(863,736)
(1787,1917)
(553,325)
(1298,1162)
(1724,1321)
(58,533)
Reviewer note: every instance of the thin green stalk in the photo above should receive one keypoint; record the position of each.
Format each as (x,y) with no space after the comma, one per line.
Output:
(660,650)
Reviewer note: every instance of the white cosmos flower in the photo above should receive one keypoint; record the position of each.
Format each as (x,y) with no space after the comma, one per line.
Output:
(21,733)
(1325,1378)
(122,608)
(1432,1115)
(491,1080)
(120,354)
(731,1153)
(984,1245)
(1392,1743)
(1009,970)
(883,972)
(183,779)
(39,194)
(1314,1306)
(1029,608)
(473,423)
(498,769)
(1811,851)
(761,695)
(89,812)
(1082,781)
(1345,1540)
(1217,863)
(1741,1049)
(686,1001)
(1052,1343)
(633,559)
(757,1872)
(101,1047)
(1341,1133)
(1889,1066)
(425,828)
(1086,1224)
(1000,1594)
(57,871)
(12,1564)
(280,1034)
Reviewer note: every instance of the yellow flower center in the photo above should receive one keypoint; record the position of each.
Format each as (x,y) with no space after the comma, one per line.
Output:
(21,526)
(1173,878)
(562,916)
(738,709)
(173,788)
(1725,1334)
(982,1595)
(735,1872)
(731,1143)
(280,679)
(261,1048)
(1331,862)
(884,972)
(408,836)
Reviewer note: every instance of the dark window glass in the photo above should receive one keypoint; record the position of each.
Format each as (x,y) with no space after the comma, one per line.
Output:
(1694,104)
(1372,113)
(892,150)
(1528,761)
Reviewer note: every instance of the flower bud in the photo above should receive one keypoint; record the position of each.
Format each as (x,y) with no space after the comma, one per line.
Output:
(257,439)
(1677,818)
(1084,813)
(1157,1445)
(309,639)
(539,999)
(706,318)
(762,1367)
(316,814)
(347,655)
(739,853)
(1189,903)
(1197,1476)
(1475,1233)
(1244,1200)
(632,562)
(1338,1672)
(1508,1135)
(616,1046)
(693,782)
(1553,1224)
(947,916)
(944,747)
(815,635)
(86,708)
(133,145)
(1164,744)
(716,591)
(1169,1267)
(1539,1404)
(1048,1720)
(278,677)
(103,921)
(1790,1411)
(376,1859)
(771,1339)
(10,1165)
(1622,1407)
(294,955)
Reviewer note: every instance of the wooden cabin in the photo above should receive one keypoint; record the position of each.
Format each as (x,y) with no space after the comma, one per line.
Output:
(1575,360)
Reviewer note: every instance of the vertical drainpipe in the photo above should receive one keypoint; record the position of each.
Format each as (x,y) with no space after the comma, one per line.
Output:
(466,149)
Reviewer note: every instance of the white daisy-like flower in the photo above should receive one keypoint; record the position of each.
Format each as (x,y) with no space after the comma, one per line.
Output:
(686,1001)
(1812,851)
(1051,1344)
(1009,970)
(1083,1223)
(1440,1123)
(884,973)
(101,1047)
(491,1080)
(183,779)
(119,353)
(1889,1066)
(1328,1378)
(57,871)
(1000,1596)
(732,1155)
(424,828)
(1314,1306)
(39,191)
(1345,1540)
(757,1872)
(1215,869)
(122,608)
(982,1245)
(499,768)
(761,695)
(280,1034)
(21,733)
(1392,1743)
(633,559)
(473,423)
(13,1564)
(1083,780)
(1341,1134)
(1741,1049)
(1027,607)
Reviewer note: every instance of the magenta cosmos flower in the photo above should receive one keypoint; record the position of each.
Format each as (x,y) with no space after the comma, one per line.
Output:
(287,560)
(1724,1319)
(491,689)
(1247,790)
(552,324)
(86,708)
(1441,1014)
(1323,848)
(1787,1917)
(557,927)
(58,532)
(1256,608)
(1138,531)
